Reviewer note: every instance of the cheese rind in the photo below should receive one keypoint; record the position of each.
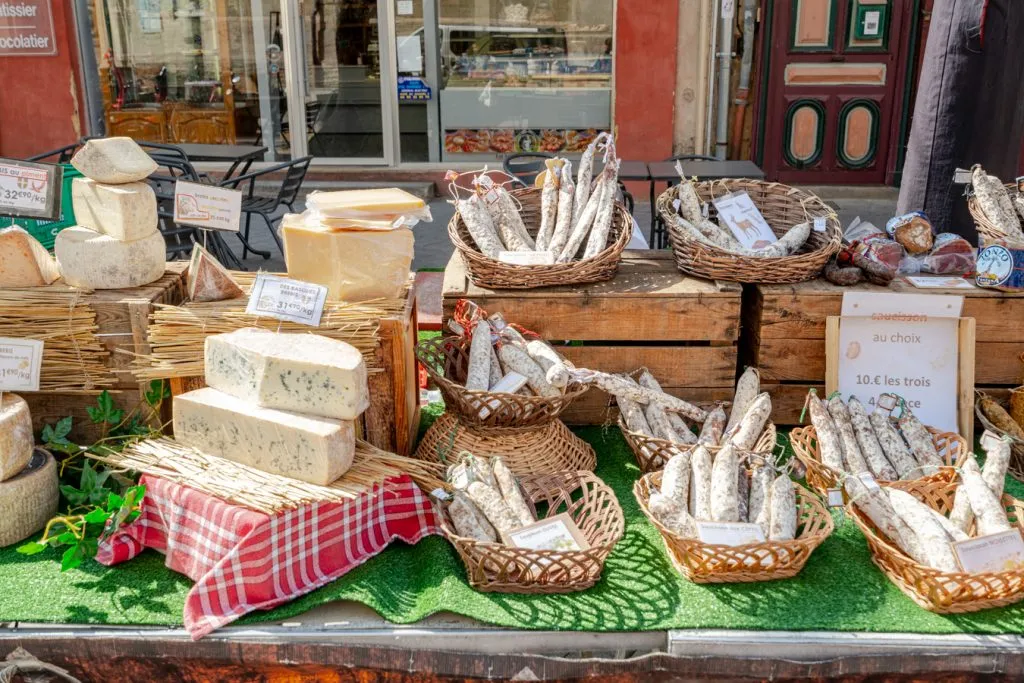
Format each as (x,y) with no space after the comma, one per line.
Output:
(208,280)
(113,160)
(380,203)
(126,212)
(305,373)
(29,500)
(24,262)
(317,450)
(16,440)
(93,261)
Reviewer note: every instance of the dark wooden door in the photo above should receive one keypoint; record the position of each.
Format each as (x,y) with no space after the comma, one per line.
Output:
(837,71)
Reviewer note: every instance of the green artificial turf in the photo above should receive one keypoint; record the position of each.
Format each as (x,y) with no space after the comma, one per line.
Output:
(840,589)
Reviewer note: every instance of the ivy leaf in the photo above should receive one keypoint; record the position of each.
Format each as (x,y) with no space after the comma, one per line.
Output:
(98,496)
(158,391)
(97,516)
(73,495)
(114,501)
(71,558)
(66,538)
(88,478)
(31,548)
(56,434)
(104,411)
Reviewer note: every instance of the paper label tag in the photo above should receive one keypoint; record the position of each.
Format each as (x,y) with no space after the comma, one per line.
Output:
(20,363)
(999,552)
(439,494)
(456,328)
(497,321)
(509,384)
(989,440)
(835,498)
(676,204)
(887,401)
(1020,183)
(939,282)
(207,206)
(29,189)
(527,258)
(738,213)
(729,533)
(869,482)
(961,176)
(728,9)
(555,533)
(285,299)
(819,224)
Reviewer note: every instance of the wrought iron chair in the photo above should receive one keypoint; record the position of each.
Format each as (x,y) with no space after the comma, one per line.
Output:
(526,166)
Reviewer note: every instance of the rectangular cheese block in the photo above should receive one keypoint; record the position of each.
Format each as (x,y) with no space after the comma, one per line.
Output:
(354,265)
(382,204)
(305,373)
(126,212)
(24,262)
(208,280)
(317,450)
(16,439)
(93,261)
(113,160)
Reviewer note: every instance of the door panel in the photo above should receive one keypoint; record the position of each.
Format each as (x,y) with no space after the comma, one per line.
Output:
(836,66)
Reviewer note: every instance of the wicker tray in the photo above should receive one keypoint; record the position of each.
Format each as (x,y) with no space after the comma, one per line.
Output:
(986,228)
(495,567)
(652,453)
(447,359)
(782,207)
(1016,468)
(545,450)
(486,272)
(953,449)
(936,591)
(704,563)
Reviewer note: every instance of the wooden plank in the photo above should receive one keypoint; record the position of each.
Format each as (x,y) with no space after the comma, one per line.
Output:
(597,408)
(831,354)
(392,419)
(965,379)
(676,366)
(48,407)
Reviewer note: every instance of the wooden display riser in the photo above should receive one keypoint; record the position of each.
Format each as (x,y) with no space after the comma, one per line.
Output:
(685,330)
(784,335)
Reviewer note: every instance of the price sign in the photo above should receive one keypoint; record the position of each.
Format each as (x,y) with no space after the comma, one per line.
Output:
(20,363)
(284,299)
(999,552)
(730,533)
(30,190)
(738,212)
(207,206)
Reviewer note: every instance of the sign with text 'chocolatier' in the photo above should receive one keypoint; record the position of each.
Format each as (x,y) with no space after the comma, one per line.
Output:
(26,28)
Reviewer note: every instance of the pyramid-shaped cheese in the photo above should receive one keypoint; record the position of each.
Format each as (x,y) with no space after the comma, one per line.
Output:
(314,449)
(382,204)
(16,440)
(208,280)
(126,212)
(305,373)
(93,261)
(24,262)
(113,160)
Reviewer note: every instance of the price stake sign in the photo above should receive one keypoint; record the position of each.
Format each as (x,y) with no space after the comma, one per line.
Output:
(20,363)
(30,190)
(738,212)
(207,206)
(999,552)
(284,299)
(730,533)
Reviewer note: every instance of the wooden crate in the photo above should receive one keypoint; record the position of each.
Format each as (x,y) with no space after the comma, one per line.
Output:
(784,335)
(684,329)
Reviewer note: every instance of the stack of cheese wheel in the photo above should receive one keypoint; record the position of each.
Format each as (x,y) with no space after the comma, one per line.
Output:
(28,477)
(282,403)
(116,243)
(357,243)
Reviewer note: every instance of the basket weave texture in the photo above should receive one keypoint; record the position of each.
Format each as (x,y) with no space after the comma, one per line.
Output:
(652,453)
(987,228)
(782,207)
(487,272)
(1016,468)
(952,448)
(934,590)
(544,450)
(447,360)
(495,567)
(705,563)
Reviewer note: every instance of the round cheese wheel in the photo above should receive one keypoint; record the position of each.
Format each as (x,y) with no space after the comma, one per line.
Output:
(90,260)
(29,500)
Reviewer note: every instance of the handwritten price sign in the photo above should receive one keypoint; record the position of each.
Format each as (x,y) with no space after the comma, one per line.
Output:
(20,363)
(284,299)
(30,190)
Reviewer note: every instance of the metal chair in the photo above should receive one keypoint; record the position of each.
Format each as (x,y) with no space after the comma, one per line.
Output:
(525,166)
(287,195)
(659,233)
(63,154)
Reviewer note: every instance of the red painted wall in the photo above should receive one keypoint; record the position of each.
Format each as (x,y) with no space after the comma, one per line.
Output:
(645,78)
(38,108)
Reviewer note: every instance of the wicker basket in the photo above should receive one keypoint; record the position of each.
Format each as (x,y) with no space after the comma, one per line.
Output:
(652,453)
(1016,468)
(447,360)
(486,272)
(782,207)
(986,228)
(952,448)
(544,450)
(936,591)
(705,563)
(495,567)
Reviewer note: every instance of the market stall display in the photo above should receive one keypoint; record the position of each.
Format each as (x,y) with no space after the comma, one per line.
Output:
(994,417)
(997,209)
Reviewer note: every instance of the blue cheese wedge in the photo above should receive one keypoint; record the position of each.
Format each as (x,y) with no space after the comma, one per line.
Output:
(313,449)
(305,373)
(125,212)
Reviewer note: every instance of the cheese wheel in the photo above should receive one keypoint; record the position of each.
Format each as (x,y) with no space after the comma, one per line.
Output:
(16,441)
(29,500)
(126,212)
(24,262)
(113,160)
(93,261)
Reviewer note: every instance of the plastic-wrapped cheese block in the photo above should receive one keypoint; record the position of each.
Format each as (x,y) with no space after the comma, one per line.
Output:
(381,204)
(93,261)
(317,450)
(354,265)
(126,212)
(208,280)
(24,262)
(29,500)
(16,440)
(113,160)
(305,373)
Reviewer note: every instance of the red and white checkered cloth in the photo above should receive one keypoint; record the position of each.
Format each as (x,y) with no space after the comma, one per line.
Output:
(242,560)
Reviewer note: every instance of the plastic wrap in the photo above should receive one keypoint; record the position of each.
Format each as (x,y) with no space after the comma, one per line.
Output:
(912,230)
(385,204)
(951,255)
(858,231)
(884,250)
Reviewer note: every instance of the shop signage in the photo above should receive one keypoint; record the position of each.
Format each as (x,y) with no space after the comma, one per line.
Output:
(26,28)
(412,89)
(207,206)
(30,190)
(20,363)
(285,299)
(904,344)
